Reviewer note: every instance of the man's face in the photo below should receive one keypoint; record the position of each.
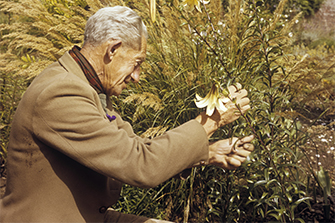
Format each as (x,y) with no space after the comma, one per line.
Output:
(123,68)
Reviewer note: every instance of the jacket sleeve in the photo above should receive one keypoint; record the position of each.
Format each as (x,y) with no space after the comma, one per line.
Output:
(67,118)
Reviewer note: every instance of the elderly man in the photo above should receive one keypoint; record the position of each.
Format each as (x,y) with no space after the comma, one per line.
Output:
(70,152)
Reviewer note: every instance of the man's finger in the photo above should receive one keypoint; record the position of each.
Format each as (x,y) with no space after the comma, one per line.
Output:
(238,86)
(241,93)
(240,154)
(246,139)
(248,146)
(231,89)
(245,108)
(234,88)
(243,102)
(233,162)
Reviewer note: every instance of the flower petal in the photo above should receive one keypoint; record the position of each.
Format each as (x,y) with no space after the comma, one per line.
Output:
(197,6)
(225,100)
(212,100)
(220,106)
(198,97)
(190,4)
(210,109)
(201,102)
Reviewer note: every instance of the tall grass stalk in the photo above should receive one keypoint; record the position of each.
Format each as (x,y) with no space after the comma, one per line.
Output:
(187,51)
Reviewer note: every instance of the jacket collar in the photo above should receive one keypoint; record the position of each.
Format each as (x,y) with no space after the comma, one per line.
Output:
(72,66)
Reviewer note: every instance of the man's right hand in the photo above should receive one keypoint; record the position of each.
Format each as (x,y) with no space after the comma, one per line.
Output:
(230,153)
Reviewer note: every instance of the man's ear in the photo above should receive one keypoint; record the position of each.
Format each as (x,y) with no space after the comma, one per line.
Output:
(112,49)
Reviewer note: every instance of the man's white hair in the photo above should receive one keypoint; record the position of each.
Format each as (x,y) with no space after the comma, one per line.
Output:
(118,23)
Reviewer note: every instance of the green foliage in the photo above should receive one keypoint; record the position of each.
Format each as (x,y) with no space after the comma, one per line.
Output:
(325,182)
(12,88)
(329,43)
(246,43)
(308,7)
(312,82)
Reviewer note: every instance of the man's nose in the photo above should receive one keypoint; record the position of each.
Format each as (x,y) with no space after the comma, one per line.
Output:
(135,76)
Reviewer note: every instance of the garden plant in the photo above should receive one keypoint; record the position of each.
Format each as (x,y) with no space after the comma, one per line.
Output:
(193,46)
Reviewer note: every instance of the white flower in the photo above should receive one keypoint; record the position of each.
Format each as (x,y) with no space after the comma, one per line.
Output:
(195,3)
(290,34)
(212,100)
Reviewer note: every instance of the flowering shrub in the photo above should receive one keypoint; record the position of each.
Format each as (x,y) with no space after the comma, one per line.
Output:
(188,51)
(186,56)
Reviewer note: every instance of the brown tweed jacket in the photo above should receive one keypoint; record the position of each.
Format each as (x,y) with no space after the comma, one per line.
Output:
(66,159)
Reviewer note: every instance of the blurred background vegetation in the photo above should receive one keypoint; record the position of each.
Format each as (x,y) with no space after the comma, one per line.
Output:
(276,49)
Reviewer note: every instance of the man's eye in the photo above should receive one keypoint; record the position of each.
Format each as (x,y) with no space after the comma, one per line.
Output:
(137,64)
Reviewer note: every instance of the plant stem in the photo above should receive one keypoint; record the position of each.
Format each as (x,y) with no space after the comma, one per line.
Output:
(207,43)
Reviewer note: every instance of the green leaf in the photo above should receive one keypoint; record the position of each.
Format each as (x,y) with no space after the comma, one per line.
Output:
(324,181)
(261,182)
(289,197)
(297,202)
(24,59)
(299,219)
(272,181)
(276,216)
(28,57)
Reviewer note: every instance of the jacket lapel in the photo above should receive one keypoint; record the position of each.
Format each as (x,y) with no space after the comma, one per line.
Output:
(72,67)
